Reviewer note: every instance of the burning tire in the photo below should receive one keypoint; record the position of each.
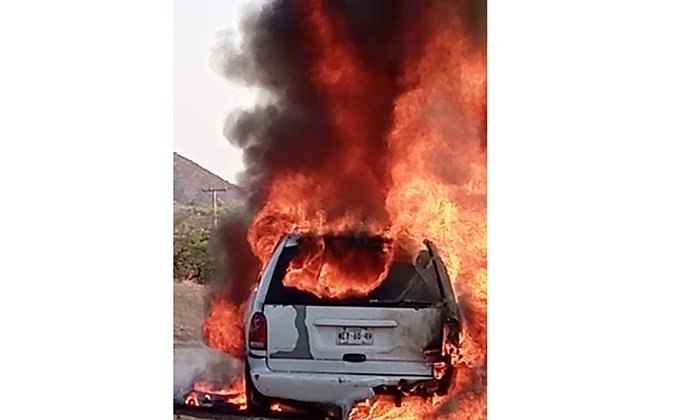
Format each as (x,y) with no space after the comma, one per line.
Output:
(258,404)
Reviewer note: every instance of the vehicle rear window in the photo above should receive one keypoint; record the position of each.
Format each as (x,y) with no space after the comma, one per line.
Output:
(406,284)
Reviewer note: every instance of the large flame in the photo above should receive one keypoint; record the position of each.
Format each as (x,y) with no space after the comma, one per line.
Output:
(339,267)
(436,166)
(223,329)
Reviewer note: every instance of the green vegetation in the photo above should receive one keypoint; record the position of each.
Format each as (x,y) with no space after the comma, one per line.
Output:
(196,255)
(193,256)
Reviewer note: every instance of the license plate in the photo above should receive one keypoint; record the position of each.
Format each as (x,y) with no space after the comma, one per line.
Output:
(353,336)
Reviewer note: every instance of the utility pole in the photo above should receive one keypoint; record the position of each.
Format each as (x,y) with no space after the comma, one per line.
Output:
(213,192)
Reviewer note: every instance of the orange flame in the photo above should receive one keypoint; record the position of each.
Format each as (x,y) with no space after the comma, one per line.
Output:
(223,329)
(330,269)
(233,395)
(192,399)
(436,163)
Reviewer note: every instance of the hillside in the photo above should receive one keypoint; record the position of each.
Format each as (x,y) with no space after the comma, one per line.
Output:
(189,179)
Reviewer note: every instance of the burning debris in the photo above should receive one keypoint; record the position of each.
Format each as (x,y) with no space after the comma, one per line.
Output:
(376,124)
(228,399)
(203,376)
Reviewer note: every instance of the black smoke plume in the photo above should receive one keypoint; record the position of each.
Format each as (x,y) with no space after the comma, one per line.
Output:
(292,132)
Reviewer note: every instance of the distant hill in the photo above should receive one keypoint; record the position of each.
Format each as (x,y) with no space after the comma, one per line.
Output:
(189,179)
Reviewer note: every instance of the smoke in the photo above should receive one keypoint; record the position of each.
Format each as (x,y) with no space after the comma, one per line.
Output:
(239,265)
(297,131)
(202,364)
(331,72)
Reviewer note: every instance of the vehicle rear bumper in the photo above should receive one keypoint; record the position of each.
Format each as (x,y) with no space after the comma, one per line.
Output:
(329,388)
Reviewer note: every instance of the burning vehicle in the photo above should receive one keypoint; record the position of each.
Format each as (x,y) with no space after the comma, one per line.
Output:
(391,329)
(376,123)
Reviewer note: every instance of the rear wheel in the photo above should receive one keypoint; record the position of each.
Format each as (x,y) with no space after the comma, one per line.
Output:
(258,404)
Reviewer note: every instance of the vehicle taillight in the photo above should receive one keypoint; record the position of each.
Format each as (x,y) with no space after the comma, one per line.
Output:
(257,333)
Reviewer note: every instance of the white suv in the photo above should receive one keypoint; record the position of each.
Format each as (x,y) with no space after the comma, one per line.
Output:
(326,354)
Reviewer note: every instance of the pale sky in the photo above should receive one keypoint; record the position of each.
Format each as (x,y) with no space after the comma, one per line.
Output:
(202,98)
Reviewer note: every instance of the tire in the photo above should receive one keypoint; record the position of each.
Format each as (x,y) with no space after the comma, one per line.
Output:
(258,404)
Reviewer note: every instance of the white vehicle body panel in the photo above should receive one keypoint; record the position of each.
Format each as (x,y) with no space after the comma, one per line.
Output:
(305,362)
(343,390)
(304,338)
